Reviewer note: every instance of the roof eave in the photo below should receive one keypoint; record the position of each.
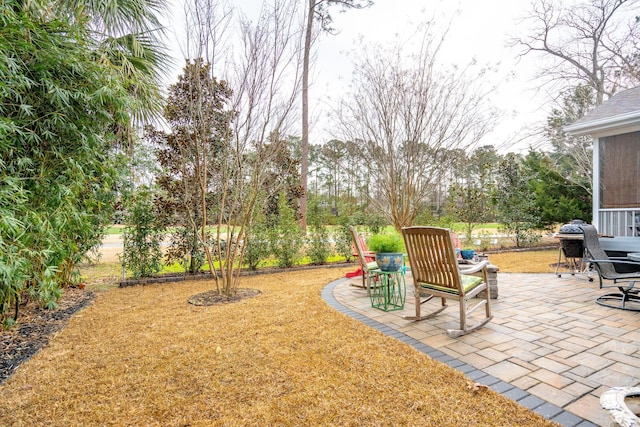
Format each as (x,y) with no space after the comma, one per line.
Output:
(623,123)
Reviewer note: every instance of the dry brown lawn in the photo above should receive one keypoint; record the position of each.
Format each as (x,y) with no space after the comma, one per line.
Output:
(540,261)
(143,356)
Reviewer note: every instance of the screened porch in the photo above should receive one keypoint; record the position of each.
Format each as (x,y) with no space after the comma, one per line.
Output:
(618,198)
(615,128)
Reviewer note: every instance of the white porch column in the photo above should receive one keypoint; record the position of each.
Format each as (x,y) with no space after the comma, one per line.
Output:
(595,185)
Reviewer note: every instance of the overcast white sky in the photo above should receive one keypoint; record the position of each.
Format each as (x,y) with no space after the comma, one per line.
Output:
(480,30)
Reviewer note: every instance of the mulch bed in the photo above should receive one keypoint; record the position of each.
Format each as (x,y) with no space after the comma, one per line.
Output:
(35,326)
(213,297)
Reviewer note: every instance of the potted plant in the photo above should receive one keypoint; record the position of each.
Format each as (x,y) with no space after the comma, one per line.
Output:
(388,249)
(467,253)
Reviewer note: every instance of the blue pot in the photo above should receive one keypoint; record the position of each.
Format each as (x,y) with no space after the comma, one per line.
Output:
(467,253)
(391,261)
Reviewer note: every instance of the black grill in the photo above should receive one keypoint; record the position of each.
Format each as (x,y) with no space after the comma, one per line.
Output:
(572,248)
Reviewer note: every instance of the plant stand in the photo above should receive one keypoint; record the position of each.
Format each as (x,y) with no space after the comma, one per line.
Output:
(389,292)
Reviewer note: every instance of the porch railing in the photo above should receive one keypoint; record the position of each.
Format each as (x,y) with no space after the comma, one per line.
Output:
(619,222)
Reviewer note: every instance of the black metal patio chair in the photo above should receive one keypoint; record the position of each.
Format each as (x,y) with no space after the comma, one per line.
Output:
(627,297)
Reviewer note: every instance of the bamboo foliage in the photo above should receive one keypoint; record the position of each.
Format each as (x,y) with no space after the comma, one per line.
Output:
(58,110)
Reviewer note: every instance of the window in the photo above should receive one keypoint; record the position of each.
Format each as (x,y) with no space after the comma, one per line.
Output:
(620,171)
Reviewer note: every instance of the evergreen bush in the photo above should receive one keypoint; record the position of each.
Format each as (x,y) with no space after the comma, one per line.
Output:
(287,238)
(142,236)
(343,242)
(319,247)
(257,246)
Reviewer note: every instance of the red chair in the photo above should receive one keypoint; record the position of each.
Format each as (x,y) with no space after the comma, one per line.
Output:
(366,258)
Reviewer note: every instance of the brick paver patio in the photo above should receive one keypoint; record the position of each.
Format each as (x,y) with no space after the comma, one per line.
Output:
(549,346)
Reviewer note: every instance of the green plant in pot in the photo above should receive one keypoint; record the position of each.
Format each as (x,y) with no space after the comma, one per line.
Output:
(388,248)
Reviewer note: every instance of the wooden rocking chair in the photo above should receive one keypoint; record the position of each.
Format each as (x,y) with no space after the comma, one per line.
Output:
(436,274)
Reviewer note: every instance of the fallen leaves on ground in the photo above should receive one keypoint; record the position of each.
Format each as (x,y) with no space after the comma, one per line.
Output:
(144,356)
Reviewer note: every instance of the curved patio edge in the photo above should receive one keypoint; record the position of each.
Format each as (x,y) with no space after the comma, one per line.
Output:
(548,410)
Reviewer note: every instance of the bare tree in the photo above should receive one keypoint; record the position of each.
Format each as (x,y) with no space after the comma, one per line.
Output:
(317,10)
(263,75)
(590,50)
(572,156)
(207,25)
(589,42)
(407,112)
(266,83)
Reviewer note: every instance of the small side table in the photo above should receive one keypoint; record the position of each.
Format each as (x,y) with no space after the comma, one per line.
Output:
(389,291)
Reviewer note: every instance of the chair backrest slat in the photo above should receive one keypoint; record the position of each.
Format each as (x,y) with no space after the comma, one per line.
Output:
(432,257)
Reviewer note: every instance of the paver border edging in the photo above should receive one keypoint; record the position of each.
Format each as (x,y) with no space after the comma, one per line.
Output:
(548,410)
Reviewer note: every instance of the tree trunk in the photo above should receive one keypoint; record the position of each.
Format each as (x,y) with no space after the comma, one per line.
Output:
(304,161)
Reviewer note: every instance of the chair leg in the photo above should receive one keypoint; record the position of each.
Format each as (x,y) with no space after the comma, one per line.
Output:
(463,314)
(487,307)
(464,310)
(419,303)
(371,283)
(621,300)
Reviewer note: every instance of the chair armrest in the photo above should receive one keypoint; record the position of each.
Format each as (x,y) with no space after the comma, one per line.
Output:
(365,253)
(473,268)
(614,261)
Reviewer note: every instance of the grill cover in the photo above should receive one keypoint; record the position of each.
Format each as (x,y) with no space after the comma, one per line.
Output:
(574,227)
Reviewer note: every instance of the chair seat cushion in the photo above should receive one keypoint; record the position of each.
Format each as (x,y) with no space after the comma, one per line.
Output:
(372,266)
(468,283)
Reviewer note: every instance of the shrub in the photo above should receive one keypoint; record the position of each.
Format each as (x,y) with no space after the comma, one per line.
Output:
(286,245)
(142,236)
(319,247)
(287,239)
(343,242)
(187,249)
(386,242)
(257,246)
